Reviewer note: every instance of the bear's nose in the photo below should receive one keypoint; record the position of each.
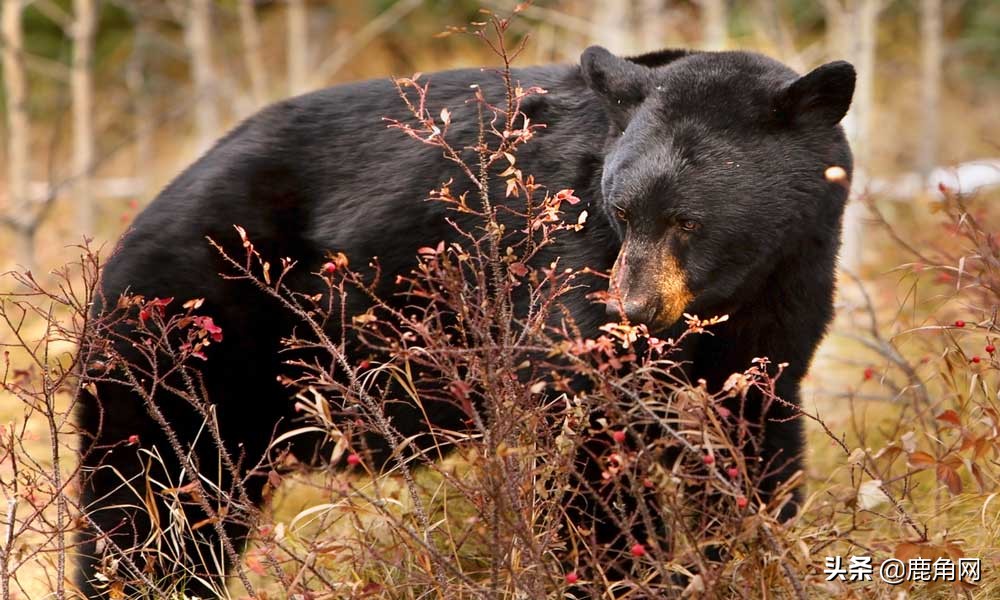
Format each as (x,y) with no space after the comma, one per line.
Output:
(636,311)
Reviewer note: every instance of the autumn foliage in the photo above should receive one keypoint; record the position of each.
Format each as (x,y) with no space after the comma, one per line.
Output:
(910,466)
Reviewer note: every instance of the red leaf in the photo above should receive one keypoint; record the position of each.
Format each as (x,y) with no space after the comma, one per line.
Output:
(950,478)
(209,326)
(907,550)
(921,460)
(950,416)
(160,302)
(567,195)
(977,473)
(983,446)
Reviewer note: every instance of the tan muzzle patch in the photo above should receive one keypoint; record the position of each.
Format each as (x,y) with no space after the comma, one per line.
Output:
(673,290)
(660,277)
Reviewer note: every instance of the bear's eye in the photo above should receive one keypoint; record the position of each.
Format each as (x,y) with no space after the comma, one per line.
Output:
(688,226)
(620,213)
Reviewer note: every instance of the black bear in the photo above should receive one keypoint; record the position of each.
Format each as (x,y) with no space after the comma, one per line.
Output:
(703,174)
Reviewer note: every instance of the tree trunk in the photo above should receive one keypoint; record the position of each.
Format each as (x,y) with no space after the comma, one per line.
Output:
(852,35)
(252,52)
(83,112)
(836,30)
(651,19)
(336,60)
(545,42)
(768,18)
(198,36)
(865,22)
(930,84)
(18,134)
(298,47)
(610,24)
(142,112)
(714,24)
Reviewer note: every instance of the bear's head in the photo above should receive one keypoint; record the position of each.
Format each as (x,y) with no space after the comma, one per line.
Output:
(713,174)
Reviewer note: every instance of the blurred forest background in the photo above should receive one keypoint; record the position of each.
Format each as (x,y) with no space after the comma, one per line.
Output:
(105,100)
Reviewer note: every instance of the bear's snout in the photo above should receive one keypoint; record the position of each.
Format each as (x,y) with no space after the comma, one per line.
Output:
(648,285)
(641,310)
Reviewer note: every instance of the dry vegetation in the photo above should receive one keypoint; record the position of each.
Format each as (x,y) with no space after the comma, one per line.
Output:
(903,415)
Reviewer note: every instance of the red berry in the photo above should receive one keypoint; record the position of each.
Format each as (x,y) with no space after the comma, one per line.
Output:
(638,550)
(329,268)
(133,439)
(742,502)
(648,483)
(572,578)
(975,359)
(733,472)
(960,323)
(869,373)
(618,436)
(708,459)
(990,349)
(353,460)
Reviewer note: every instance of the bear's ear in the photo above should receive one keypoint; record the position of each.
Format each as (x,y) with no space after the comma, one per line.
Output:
(820,97)
(660,58)
(620,84)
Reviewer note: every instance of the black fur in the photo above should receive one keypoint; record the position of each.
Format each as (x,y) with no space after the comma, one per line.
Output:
(733,141)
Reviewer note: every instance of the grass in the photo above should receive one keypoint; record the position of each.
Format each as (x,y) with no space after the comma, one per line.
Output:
(849,387)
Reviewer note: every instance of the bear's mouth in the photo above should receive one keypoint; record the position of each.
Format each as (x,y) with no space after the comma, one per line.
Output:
(668,314)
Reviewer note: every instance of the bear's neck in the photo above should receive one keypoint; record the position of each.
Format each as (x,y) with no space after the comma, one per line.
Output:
(784,321)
